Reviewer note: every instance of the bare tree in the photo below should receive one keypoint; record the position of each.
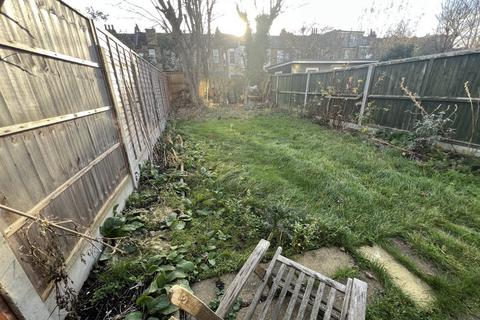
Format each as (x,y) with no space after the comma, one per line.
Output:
(257,43)
(459,24)
(398,42)
(96,14)
(189,23)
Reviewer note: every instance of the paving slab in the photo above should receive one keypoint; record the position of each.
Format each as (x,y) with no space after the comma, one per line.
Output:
(413,286)
(325,260)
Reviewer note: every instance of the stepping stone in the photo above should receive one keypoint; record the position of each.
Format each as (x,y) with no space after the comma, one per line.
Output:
(413,286)
(325,260)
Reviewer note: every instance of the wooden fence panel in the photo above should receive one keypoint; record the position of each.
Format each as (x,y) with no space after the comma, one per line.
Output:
(140,98)
(59,146)
(79,113)
(47,25)
(437,81)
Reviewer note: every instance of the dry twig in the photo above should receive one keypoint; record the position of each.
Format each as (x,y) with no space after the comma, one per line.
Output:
(47,222)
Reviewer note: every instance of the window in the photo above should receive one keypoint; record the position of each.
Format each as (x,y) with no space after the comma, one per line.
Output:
(152,56)
(348,54)
(231,56)
(269,56)
(216,56)
(280,56)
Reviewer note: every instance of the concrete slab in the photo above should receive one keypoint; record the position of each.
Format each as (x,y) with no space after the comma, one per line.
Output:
(413,286)
(325,260)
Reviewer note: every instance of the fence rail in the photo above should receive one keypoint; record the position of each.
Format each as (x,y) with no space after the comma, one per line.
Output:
(79,114)
(372,95)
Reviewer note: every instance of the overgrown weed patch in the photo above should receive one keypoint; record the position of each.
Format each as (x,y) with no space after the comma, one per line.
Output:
(302,187)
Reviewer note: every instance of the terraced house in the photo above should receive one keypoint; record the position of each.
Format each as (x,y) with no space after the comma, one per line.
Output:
(228,57)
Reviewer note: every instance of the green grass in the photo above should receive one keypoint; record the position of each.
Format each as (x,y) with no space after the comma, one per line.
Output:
(305,186)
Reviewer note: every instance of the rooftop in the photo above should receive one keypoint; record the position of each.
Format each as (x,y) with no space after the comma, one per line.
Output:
(283,64)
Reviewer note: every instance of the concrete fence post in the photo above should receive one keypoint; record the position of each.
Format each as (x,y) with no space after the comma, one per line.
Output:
(276,91)
(307,87)
(366,89)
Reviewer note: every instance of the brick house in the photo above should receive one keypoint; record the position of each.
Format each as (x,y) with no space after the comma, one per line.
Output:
(228,54)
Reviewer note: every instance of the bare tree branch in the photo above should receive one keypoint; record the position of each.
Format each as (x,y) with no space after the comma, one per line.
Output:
(459,24)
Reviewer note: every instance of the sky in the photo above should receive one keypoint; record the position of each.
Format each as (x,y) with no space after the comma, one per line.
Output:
(365,15)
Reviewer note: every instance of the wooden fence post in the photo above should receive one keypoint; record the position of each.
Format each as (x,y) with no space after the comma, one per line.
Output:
(366,89)
(307,87)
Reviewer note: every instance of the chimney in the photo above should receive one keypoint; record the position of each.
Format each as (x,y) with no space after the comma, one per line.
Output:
(151,37)
(137,35)
(110,28)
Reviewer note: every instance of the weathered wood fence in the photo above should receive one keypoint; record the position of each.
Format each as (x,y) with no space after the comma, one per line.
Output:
(79,113)
(371,94)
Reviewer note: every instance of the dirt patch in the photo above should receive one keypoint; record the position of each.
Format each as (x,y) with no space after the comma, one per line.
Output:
(374,286)
(414,287)
(423,265)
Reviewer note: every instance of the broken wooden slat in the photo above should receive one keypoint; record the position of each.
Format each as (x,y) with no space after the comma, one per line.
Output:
(272,292)
(293,299)
(331,300)
(346,299)
(318,301)
(236,286)
(283,293)
(188,302)
(306,298)
(260,289)
(358,300)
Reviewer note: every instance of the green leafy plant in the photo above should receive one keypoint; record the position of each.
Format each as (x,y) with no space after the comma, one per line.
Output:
(142,199)
(303,235)
(177,221)
(173,269)
(120,225)
(215,303)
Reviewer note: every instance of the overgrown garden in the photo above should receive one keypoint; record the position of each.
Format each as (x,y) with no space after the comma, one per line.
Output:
(218,185)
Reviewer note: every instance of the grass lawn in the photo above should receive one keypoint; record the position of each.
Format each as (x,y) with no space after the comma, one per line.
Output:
(286,179)
(305,186)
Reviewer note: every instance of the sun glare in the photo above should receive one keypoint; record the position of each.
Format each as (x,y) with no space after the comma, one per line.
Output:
(234,26)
